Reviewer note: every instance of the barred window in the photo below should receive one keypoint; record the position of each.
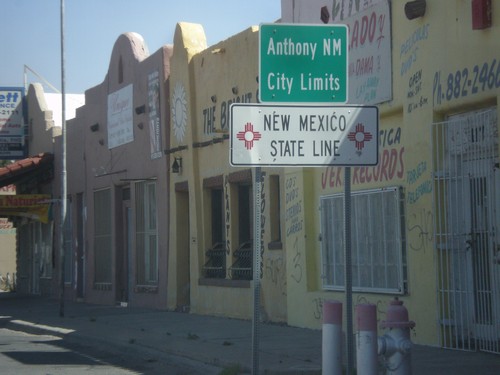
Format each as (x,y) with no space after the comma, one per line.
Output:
(146,233)
(102,236)
(215,261)
(377,241)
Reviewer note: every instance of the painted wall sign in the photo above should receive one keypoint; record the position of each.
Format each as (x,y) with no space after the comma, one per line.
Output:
(303,63)
(154,115)
(216,117)
(12,127)
(303,135)
(465,82)
(120,119)
(390,167)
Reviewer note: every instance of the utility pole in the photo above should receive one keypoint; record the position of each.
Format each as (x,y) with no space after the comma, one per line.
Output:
(63,174)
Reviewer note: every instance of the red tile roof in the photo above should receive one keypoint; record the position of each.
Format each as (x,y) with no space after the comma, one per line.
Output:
(21,168)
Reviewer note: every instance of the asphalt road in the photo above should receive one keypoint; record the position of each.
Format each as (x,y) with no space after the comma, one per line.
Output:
(23,354)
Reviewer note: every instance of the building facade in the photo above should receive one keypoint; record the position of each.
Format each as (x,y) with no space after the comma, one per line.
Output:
(117,181)
(159,217)
(212,215)
(425,221)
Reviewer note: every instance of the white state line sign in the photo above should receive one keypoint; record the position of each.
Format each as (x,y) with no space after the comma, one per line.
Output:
(285,135)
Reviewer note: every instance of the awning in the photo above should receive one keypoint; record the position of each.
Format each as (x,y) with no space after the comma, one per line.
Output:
(33,206)
(38,169)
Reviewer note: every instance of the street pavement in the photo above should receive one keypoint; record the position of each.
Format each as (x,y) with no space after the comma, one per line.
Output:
(26,354)
(215,341)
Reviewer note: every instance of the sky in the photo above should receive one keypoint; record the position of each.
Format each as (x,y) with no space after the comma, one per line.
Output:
(31,33)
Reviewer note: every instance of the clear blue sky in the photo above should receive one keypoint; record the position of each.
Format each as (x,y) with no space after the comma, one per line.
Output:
(31,32)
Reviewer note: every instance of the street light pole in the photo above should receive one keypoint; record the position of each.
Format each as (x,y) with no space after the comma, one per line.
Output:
(63,174)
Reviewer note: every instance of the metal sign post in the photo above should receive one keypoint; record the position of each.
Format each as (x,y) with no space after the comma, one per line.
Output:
(302,64)
(256,272)
(64,188)
(277,136)
(348,271)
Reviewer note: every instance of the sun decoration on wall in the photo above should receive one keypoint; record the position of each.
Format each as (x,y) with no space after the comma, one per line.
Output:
(179,111)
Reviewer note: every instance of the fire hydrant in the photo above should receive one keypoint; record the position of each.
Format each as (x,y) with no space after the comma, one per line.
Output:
(395,345)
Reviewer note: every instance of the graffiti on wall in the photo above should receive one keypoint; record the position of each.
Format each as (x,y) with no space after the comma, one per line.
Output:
(390,167)
(420,228)
(276,273)
(317,308)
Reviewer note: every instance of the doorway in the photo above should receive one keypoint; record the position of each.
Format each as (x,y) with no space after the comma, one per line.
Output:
(124,248)
(183,280)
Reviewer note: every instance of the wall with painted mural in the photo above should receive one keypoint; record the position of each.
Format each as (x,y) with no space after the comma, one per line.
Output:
(394,201)
(424,91)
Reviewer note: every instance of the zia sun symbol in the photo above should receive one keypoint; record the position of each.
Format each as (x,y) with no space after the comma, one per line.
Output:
(359,136)
(248,135)
(179,111)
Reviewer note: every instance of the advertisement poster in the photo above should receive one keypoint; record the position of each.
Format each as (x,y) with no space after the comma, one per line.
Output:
(369,23)
(120,119)
(12,127)
(154,115)
(34,206)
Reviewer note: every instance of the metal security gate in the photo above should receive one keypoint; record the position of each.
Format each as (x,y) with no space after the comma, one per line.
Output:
(467,233)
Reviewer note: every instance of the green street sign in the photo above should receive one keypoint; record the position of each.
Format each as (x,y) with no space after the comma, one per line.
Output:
(303,63)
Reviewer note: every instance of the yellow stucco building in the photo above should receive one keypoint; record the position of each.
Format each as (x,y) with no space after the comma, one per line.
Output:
(160,217)
(424,219)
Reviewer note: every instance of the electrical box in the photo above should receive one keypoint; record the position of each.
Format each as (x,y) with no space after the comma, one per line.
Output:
(481,14)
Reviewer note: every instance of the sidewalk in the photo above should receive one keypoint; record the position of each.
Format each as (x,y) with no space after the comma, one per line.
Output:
(218,341)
